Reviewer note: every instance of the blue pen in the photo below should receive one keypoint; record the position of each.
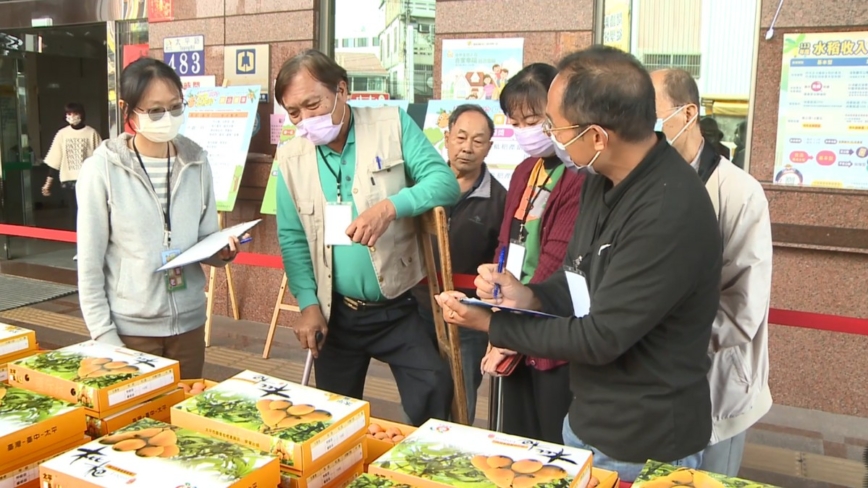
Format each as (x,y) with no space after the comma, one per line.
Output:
(500,263)
(379,162)
(245,240)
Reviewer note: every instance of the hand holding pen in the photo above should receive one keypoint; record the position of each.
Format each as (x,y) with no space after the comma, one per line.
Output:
(501,261)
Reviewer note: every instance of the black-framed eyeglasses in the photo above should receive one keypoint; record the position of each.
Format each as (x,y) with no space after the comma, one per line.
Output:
(157,113)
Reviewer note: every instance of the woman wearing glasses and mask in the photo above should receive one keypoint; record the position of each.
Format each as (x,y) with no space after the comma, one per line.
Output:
(143,199)
(541,209)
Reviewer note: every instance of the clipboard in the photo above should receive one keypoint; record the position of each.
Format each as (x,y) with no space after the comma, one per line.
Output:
(474,302)
(209,246)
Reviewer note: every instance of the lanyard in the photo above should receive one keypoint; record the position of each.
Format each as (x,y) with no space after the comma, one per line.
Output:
(167,221)
(532,198)
(337,174)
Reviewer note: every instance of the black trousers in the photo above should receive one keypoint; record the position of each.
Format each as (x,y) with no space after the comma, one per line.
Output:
(395,335)
(535,402)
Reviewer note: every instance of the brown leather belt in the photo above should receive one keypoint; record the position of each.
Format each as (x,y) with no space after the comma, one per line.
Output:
(354,304)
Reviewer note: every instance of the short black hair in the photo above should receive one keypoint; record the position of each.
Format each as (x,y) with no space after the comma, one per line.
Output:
(321,67)
(528,89)
(136,78)
(610,88)
(470,107)
(681,87)
(75,108)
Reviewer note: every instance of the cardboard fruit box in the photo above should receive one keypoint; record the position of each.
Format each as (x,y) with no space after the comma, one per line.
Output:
(101,377)
(31,422)
(194,387)
(14,341)
(443,454)
(658,475)
(27,476)
(346,465)
(4,371)
(152,454)
(298,424)
(158,408)
(368,480)
(383,435)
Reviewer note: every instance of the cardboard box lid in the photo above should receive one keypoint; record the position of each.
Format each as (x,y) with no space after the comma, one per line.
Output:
(255,394)
(438,450)
(20,409)
(661,474)
(94,364)
(155,454)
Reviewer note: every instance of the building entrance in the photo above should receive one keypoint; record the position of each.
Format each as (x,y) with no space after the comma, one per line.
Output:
(42,71)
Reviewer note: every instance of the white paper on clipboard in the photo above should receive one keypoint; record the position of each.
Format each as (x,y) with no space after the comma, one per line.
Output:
(475,302)
(208,246)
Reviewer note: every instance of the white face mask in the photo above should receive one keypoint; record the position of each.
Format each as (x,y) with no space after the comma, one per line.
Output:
(658,127)
(73,119)
(561,150)
(163,130)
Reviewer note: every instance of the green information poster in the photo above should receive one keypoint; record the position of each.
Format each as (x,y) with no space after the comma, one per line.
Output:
(269,201)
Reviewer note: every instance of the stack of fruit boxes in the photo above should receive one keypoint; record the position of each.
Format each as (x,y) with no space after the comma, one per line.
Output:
(116,386)
(318,436)
(34,427)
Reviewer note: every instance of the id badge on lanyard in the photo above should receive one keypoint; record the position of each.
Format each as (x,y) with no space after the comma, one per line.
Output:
(175,279)
(579,292)
(515,257)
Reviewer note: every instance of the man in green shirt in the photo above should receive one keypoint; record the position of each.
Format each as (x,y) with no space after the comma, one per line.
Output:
(350,184)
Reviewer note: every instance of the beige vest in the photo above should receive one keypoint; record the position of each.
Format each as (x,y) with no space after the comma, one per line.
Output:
(396,256)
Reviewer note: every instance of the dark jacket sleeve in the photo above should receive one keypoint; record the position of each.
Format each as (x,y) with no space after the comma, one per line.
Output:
(559,220)
(651,269)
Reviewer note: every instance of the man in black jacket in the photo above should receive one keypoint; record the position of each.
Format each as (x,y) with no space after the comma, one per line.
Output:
(641,304)
(474,225)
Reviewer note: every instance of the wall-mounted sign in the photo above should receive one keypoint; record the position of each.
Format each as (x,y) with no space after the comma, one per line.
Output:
(186,55)
(207,81)
(616,24)
(161,11)
(248,65)
(822,120)
(133,52)
(478,69)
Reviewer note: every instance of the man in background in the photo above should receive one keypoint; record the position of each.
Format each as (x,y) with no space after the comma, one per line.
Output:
(738,378)
(474,225)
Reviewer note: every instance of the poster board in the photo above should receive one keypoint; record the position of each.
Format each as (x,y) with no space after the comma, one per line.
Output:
(617,24)
(823,111)
(478,69)
(505,153)
(221,121)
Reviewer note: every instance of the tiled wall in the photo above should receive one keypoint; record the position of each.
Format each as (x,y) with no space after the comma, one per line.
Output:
(812,369)
(288,26)
(550,28)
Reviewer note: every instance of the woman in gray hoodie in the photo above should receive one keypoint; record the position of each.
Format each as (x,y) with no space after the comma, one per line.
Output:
(142,200)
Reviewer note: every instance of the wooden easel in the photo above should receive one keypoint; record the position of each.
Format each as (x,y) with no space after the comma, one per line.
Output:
(279,306)
(212,278)
(432,225)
